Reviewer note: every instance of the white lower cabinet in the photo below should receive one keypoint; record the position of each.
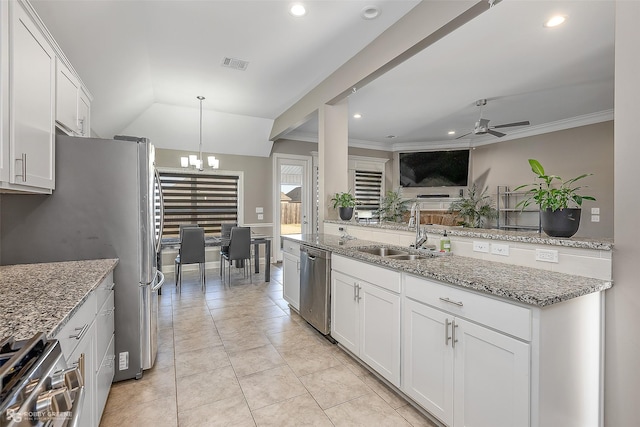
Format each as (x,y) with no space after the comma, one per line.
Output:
(365,316)
(88,341)
(291,273)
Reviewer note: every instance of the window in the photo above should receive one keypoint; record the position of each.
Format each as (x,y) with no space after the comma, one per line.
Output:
(368,190)
(196,198)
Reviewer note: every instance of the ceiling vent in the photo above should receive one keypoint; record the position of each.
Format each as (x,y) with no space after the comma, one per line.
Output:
(236,64)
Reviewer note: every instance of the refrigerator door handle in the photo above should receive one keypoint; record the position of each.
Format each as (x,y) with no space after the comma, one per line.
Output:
(159,184)
(160,282)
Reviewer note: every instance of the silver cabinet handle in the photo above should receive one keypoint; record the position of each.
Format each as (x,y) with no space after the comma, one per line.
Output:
(111,287)
(359,288)
(83,330)
(23,159)
(446,332)
(454,340)
(458,303)
(355,291)
(81,121)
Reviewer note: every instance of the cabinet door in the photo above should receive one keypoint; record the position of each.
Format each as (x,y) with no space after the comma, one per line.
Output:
(428,359)
(104,378)
(379,312)
(492,378)
(85,355)
(344,311)
(67,94)
(32,103)
(291,279)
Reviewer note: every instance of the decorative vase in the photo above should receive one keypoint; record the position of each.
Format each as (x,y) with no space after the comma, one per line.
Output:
(345,213)
(561,223)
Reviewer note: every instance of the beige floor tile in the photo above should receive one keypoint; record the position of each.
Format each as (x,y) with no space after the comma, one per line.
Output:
(201,360)
(267,312)
(298,411)
(207,387)
(414,417)
(161,412)
(334,386)
(270,386)
(255,360)
(232,411)
(232,311)
(156,383)
(368,410)
(165,358)
(308,360)
(382,390)
(197,341)
(353,365)
(276,325)
(237,325)
(244,341)
(293,339)
(205,334)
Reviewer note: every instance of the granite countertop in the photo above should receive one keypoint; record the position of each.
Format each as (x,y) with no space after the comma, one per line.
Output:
(493,234)
(42,297)
(523,284)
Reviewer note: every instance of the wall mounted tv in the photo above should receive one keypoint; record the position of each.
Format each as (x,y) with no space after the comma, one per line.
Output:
(434,169)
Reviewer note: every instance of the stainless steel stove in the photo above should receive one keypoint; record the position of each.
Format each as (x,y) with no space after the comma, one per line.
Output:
(38,388)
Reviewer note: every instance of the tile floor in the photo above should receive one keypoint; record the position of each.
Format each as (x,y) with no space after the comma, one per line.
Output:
(238,356)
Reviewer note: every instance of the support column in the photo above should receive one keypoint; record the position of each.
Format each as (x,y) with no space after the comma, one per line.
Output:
(333,156)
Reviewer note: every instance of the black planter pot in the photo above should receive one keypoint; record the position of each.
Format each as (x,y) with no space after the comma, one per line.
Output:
(345,213)
(561,223)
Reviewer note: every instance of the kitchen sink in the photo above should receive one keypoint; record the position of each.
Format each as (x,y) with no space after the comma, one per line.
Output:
(383,252)
(407,257)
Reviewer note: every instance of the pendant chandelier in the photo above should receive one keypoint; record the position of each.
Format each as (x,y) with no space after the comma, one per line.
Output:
(196,161)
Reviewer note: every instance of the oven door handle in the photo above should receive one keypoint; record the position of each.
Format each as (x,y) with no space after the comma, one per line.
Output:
(77,408)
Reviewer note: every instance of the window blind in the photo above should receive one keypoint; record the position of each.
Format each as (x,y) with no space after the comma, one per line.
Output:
(208,200)
(368,190)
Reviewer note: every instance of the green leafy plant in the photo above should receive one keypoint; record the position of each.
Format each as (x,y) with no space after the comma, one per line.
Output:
(474,208)
(551,191)
(343,200)
(392,207)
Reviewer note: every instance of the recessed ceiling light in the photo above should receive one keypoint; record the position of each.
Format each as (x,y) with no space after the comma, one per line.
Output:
(391,136)
(451,132)
(298,10)
(357,116)
(554,21)
(370,12)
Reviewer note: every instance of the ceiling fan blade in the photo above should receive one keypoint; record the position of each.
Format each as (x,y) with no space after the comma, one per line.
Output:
(462,136)
(494,133)
(525,123)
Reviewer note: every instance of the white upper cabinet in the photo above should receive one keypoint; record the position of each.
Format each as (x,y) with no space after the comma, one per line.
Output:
(39,88)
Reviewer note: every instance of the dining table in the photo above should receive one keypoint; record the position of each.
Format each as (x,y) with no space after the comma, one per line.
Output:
(213,241)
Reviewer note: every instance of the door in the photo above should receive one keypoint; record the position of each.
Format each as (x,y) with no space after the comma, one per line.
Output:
(344,311)
(379,312)
(428,359)
(492,378)
(293,196)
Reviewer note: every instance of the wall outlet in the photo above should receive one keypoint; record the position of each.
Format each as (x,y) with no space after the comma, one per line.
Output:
(546,255)
(499,249)
(595,218)
(595,211)
(259,210)
(481,247)
(260,217)
(123,361)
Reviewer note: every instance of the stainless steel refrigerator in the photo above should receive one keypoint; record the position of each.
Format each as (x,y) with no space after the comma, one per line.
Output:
(103,206)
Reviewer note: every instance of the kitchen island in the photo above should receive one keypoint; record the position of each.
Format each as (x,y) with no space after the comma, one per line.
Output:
(43,297)
(471,341)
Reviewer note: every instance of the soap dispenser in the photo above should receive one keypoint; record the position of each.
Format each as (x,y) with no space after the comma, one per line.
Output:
(445,243)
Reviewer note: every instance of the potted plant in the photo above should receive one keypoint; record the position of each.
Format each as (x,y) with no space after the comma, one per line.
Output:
(345,202)
(392,207)
(559,201)
(475,208)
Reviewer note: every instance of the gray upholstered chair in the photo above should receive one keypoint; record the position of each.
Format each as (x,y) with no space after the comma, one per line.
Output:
(177,260)
(225,235)
(192,252)
(239,250)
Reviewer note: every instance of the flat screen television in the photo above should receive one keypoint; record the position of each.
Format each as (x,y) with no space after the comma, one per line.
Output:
(434,169)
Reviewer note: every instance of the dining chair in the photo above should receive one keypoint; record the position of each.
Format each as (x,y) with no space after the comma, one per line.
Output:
(239,250)
(225,235)
(192,252)
(177,260)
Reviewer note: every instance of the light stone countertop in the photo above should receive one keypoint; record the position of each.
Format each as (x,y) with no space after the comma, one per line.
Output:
(523,284)
(493,234)
(42,297)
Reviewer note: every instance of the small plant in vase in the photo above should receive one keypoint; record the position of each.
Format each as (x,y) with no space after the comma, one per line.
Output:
(344,202)
(392,207)
(559,201)
(474,208)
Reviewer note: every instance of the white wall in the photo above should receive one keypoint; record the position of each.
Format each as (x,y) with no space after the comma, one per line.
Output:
(622,356)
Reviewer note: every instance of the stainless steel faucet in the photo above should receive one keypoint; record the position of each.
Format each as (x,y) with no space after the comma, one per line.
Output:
(421,237)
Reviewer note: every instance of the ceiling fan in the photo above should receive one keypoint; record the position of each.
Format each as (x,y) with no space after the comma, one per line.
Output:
(482,125)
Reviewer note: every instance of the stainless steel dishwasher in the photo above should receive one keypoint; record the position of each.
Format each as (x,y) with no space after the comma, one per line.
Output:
(315,287)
